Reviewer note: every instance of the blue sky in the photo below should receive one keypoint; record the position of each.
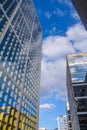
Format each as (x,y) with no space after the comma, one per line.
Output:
(63,33)
(54,13)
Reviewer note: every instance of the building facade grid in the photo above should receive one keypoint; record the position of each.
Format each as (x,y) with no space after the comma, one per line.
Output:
(62,122)
(77,89)
(20,64)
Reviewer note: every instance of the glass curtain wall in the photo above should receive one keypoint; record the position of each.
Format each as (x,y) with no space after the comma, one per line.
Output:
(77,89)
(20,65)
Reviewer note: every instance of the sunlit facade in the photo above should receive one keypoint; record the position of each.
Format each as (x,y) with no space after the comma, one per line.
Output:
(62,122)
(68,116)
(81,8)
(77,89)
(20,65)
(42,129)
(9,117)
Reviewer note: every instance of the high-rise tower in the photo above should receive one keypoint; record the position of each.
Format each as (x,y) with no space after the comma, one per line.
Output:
(77,89)
(62,122)
(20,65)
(81,7)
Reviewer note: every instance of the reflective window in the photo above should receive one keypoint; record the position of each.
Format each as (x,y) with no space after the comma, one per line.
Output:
(20,59)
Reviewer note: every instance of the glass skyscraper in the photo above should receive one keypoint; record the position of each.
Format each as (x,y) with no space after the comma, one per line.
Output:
(20,65)
(77,89)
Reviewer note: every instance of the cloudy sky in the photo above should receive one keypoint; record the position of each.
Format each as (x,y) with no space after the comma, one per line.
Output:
(63,33)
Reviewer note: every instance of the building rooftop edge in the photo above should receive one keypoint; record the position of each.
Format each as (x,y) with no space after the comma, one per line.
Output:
(77,54)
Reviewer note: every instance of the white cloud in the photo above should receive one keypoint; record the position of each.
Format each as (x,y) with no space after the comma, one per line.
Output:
(79,37)
(47,106)
(67,2)
(55,48)
(48,14)
(54,78)
(71,7)
(59,12)
(76,33)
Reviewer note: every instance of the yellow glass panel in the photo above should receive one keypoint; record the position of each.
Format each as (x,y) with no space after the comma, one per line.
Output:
(10,121)
(21,117)
(12,112)
(4,127)
(0,123)
(24,118)
(20,125)
(6,118)
(9,128)
(15,122)
(1,116)
(13,128)
(23,126)
(16,114)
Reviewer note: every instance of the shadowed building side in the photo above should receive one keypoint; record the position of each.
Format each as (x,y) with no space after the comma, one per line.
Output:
(81,8)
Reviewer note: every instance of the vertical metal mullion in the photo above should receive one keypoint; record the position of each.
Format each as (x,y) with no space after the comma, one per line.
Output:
(25,74)
(9,20)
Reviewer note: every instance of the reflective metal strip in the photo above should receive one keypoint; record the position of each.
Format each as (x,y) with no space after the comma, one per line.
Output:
(83,97)
(9,20)
(81,113)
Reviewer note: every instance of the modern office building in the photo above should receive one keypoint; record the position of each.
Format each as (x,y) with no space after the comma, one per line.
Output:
(77,89)
(20,65)
(81,7)
(68,116)
(62,122)
(9,115)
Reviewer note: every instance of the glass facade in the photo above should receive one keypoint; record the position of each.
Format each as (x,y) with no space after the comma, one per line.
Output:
(20,65)
(77,89)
